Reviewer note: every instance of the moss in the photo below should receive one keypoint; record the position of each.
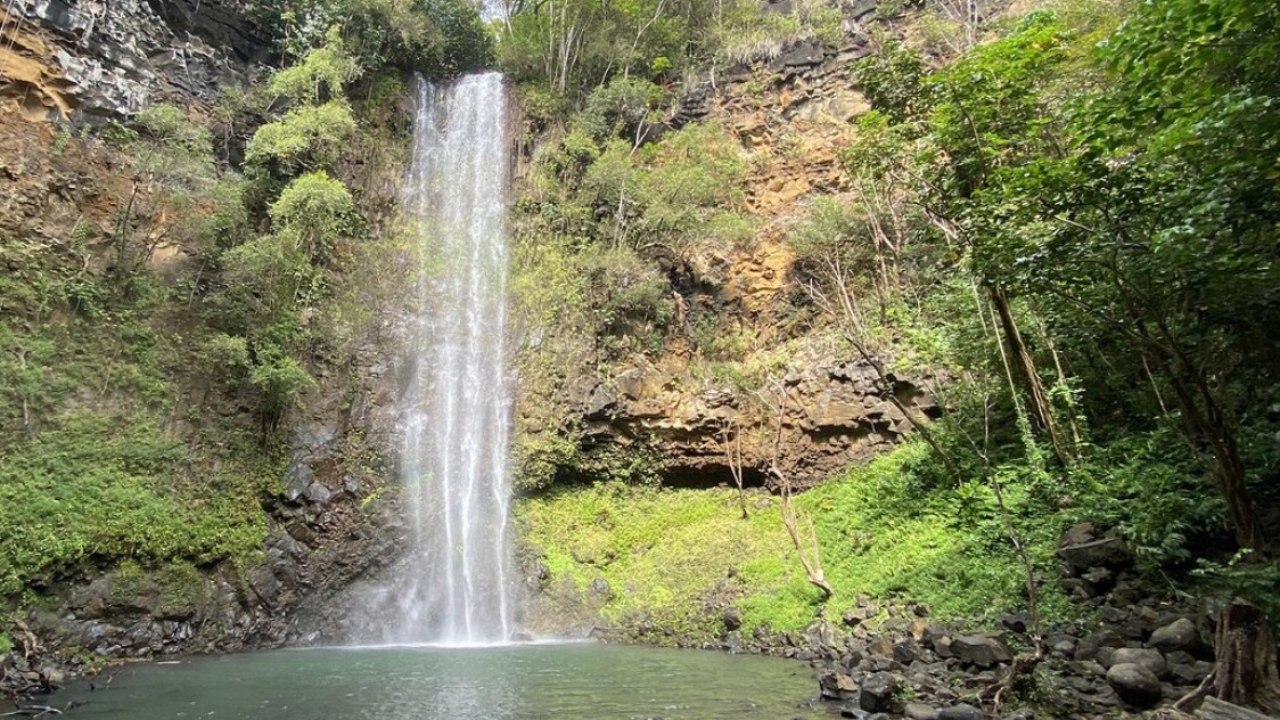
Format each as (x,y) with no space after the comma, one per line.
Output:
(672,556)
(97,485)
(661,551)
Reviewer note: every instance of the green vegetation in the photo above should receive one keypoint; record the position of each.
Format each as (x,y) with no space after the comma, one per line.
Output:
(97,486)
(673,556)
(439,38)
(149,368)
(570,48)
(1079,236)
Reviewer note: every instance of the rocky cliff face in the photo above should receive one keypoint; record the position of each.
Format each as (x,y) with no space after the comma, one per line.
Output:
(92,58)
(791,115)
(835,413)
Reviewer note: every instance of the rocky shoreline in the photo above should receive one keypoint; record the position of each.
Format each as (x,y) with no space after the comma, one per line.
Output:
(1137,648)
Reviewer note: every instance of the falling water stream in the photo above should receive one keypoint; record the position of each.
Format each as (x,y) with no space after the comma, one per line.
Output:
(457,590)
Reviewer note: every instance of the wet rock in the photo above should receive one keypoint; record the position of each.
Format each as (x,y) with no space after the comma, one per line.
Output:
(1020,714)
(1179,635)
(963,711)
(877,692)
(980,651)
(919,711)
(837,686)
(1135,684)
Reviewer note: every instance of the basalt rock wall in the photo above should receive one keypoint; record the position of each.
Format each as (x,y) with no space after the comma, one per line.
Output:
(85,59)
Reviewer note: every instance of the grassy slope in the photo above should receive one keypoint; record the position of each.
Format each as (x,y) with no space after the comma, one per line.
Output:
(668,554)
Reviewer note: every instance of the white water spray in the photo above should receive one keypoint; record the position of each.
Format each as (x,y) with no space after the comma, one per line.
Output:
(458,403)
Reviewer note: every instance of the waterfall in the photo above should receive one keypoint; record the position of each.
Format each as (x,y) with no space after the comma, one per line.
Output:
(458,402)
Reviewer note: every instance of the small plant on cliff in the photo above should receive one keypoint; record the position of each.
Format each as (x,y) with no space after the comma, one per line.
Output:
(279,379)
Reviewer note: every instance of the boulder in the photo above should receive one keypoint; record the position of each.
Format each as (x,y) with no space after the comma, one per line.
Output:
(318,493)
(1018,624)
(1135,684)
(1082,547)
(1190,673)
(1178,636)
(980,650)
(881,646)
(1146,657)
(906,651)
(837,686)
(1087,648)
(1086,668)
(854,616)
(963,711)
(877,692)
(732,618)
(919,711)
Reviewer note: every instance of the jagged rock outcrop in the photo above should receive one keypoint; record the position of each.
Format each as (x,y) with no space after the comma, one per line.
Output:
(834,414)
(95,59)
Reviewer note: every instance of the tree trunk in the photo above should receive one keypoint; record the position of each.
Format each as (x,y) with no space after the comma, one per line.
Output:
(1246,668)
(1039,399)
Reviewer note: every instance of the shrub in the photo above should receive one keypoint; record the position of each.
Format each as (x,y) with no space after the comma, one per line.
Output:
(171,149)
(439,38)
(226,357)
(313,211)
(279,380)
(308,137)
(322,74)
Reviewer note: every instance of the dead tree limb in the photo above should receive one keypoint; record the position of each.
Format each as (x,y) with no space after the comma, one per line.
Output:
(734,458)
(851,325)
(806,544)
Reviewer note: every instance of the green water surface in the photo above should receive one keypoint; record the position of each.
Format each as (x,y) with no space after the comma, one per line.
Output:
(522,682)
